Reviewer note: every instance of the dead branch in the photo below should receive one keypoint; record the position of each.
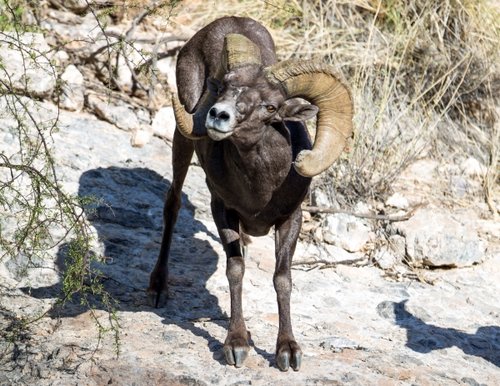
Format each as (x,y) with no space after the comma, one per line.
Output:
(328,264)
(380,217)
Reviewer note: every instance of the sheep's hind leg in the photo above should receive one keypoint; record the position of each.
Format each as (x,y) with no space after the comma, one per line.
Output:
(288,353)
(236,345)
(182,151)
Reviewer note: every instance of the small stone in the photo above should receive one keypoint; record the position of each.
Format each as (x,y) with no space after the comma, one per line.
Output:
(339,344)
(459,186)
(472,167)
(346,231)
(166,66)
(141,136)
(77,6)
(397,200)
(362,207)
(60,58)
(336,254)
(72,96)
(397,245)
(320,198)
(384,258)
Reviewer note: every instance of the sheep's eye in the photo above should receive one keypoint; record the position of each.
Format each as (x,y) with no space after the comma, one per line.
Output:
(270,108)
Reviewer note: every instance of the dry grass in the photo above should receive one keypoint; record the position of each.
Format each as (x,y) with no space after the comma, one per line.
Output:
(424,76)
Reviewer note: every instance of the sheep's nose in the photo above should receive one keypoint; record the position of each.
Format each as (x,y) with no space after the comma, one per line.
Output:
(221,115)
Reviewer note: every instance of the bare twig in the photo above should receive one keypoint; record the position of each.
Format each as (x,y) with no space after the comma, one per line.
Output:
(328,264)
(381,217)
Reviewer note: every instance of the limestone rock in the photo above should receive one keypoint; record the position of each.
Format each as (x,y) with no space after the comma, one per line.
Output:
(472,167)
(346,231)
(166,67)
(385,258)
(438,238)
(72,97)
(397,200)
(320,198)
(164,123)
(141,136)
(26,66)
(122,115)
(337,254)
(76,5)
(397,246)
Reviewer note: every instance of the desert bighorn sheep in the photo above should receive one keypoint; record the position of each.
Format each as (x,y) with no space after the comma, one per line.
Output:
(237,109)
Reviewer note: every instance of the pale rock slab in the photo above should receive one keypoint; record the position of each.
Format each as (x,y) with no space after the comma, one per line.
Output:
(164,123)
(121,115)
(439,238)
(72,96)
(26,66)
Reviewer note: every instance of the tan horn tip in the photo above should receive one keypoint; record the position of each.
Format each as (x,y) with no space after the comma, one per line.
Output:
(184,120)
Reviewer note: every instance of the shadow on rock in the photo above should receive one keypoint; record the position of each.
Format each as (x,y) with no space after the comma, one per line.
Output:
(424,338)
(127,214)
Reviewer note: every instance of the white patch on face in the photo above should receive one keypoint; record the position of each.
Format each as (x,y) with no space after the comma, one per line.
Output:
(220,121)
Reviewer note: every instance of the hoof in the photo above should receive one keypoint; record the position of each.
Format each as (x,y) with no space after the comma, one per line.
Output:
(236,350)
(288,355)
(157,299)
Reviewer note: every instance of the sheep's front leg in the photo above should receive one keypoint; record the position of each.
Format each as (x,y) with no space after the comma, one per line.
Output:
(182,151)
(288,352)
(236,346)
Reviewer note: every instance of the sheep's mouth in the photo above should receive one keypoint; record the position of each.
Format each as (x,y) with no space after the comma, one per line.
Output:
(215,133)
(217,129)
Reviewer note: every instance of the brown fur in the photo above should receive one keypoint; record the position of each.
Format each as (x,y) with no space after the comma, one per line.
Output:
(250,175)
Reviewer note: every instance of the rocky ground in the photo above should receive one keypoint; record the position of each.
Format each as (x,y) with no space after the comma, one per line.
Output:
(363,308)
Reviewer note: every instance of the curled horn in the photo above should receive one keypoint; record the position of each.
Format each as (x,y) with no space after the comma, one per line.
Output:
(184,120)
(320,85)
(237,51)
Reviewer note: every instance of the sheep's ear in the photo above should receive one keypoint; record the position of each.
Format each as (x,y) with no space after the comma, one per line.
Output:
(294,110)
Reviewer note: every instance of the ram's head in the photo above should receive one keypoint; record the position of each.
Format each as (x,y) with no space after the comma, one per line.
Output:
(245,98)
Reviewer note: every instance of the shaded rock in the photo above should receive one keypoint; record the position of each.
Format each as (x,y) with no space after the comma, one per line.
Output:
(346,231)
(72,96)
(76,5)
(459,186)
(437,238)
(26,66)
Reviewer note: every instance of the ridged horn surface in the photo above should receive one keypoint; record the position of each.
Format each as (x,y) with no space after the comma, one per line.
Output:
(184,120)
(320,85)
(239,51)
